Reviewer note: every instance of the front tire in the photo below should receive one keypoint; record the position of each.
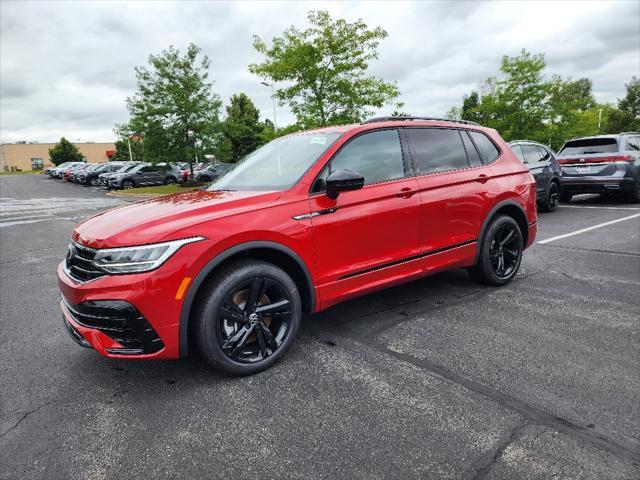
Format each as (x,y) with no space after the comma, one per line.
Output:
(566,197)
(128,185)
(552,199)
(247,317)
(500,253)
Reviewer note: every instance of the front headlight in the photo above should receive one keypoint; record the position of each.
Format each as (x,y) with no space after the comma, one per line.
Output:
(138,259)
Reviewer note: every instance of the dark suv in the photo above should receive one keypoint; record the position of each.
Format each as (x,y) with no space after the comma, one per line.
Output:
(144,176)
(212,171)
(602,164)
(303,223)
(541,162)
(91,176)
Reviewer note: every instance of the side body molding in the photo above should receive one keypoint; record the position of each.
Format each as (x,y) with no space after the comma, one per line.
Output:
(204,273)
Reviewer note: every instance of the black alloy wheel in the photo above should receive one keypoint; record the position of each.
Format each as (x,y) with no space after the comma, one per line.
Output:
(128,185)
(500,253)
(170,180)
(505,250)
(552,200)
(254,319)
(247,317)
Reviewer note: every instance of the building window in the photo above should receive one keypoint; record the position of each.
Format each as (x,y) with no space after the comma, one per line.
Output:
(37,164)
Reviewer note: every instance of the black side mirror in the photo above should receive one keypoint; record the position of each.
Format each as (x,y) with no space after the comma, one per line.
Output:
(342,181)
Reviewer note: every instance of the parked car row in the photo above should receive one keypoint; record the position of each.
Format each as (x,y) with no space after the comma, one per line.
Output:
(126,175)
(605,164)
(117,175)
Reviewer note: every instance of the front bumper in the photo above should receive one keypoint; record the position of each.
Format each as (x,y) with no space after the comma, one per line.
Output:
(124,316)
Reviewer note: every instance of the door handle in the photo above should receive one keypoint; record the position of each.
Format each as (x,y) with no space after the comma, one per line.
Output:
(482,178)
(406,192)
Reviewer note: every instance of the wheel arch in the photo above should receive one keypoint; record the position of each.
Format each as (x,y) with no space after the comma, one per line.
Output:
(506,207)
(268,251)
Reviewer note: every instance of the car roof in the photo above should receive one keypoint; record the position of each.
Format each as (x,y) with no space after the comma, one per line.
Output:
(386,122)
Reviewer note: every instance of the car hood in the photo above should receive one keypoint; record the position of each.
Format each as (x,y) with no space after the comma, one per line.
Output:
(164,218)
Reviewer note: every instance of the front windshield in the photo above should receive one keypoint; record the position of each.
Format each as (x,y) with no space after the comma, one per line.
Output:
(278,164)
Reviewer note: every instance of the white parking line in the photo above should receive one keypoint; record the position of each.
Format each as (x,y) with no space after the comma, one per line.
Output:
(604,208)
(577,232)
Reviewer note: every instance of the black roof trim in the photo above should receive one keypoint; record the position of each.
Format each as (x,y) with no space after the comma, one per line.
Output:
(401,119)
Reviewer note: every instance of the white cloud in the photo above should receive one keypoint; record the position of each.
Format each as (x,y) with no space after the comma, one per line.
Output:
(67,67)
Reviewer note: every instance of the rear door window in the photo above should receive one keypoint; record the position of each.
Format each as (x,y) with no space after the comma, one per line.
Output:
(518,151)
(531,153)
(488,150)
(437,149)
(588,146)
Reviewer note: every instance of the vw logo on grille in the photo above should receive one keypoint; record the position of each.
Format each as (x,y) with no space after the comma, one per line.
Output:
(582,160)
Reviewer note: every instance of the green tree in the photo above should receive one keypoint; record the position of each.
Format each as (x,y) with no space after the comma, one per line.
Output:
(571,110)
(241,129)
(325,69)
(174,107)
(65,151)
(470,107)
(631,101)
(122,151)
(626,118)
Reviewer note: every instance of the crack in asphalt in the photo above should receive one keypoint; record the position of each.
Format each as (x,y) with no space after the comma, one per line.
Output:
(534,415)
(30,412)
(490,460)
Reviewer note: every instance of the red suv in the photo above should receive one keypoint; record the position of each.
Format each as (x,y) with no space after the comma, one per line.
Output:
(305,222)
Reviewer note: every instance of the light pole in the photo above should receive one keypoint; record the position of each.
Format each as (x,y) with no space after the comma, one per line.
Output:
(599,119)
(273,97)
(130,156)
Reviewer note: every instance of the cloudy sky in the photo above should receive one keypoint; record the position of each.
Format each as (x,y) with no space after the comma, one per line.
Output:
(67,67)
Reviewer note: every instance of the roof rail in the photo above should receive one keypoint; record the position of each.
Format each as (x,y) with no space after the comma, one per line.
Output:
(629,133)
(403,118)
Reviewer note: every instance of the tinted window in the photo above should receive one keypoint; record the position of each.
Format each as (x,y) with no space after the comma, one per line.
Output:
(544,154)
(437,150)
(531,153)
(634,143)
(472,153)
(486,147)
(376,156)
(589,145)
(518,151)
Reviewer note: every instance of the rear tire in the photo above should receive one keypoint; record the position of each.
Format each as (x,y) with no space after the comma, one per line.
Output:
(246,317)
(170,181)
(633,195)
(500,253)
(552,199)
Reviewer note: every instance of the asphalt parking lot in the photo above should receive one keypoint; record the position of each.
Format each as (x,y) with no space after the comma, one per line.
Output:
(439,378)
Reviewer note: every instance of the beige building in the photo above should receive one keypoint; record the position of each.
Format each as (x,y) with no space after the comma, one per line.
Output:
(29,156)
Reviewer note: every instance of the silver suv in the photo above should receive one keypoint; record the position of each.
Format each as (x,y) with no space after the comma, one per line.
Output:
(601,164)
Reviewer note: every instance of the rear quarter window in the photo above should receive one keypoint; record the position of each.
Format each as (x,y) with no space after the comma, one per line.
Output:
(487,149)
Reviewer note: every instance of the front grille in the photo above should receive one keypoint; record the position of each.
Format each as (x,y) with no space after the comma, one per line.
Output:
(79,263)
(120,321)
